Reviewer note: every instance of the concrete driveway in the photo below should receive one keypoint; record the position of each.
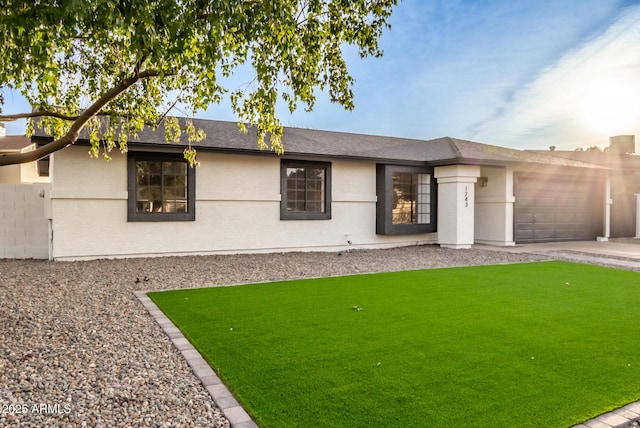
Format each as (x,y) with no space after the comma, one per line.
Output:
(621,252)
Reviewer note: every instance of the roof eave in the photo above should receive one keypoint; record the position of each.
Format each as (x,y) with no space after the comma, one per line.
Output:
(168,147)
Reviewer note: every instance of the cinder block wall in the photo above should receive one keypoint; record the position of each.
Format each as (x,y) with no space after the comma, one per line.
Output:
(24,226)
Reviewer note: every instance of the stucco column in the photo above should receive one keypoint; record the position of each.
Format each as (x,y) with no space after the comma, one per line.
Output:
(456,198)
(607,211)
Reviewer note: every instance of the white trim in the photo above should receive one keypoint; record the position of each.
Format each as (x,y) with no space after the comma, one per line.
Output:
(431,240)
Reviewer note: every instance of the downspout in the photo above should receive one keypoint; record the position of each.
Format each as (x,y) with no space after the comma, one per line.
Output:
(50,240)
(637,215)
(48,214)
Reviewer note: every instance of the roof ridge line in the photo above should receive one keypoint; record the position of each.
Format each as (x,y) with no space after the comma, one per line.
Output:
(454,145)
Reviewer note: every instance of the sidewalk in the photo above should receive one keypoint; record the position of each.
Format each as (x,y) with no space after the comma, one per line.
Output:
(627,248)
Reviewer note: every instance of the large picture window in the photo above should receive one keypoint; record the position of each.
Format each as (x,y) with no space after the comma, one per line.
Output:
(161,188)
(406,200)
(411,198)
(305,190)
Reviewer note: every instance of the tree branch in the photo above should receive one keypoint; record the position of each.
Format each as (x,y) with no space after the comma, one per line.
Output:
(74,132)
(36,113)
(164,115)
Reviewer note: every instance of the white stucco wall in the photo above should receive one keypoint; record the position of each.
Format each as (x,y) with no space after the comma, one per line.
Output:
(29,174)
(10,174)
(237,211)
(23,173)
(494,207)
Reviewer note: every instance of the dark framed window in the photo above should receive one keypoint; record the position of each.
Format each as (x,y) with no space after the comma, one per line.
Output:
(161,188)
(43,166)
(305,189)
(406,200)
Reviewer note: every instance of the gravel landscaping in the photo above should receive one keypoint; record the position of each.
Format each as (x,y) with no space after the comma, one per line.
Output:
(78,348)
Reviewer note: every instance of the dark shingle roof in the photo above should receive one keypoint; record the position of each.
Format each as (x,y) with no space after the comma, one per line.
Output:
(606,158)
(225,136)
(311,142)
(486,153)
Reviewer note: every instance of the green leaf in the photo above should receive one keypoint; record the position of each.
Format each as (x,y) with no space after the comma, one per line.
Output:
(134,61)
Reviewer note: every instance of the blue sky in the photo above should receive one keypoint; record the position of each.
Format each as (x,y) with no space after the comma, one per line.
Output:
(515,73)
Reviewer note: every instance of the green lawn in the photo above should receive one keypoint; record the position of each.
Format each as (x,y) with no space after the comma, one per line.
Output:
(538,344)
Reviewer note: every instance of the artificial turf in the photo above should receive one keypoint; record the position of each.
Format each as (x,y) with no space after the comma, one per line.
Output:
(538,344)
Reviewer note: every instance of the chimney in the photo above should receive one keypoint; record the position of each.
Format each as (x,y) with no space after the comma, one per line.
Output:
(622,144)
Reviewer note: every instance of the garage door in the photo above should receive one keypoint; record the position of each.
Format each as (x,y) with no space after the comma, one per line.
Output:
(557,209)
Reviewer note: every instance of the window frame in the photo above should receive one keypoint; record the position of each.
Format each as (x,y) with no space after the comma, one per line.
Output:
(296,215)
(384,206)
(43,165)
(132,214)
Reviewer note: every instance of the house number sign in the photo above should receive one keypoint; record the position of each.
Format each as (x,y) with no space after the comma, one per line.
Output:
(466,196)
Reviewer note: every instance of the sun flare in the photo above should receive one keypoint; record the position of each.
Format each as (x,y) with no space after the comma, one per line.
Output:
(610,107)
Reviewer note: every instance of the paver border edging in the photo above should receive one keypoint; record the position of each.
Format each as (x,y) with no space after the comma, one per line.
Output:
(237,416)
